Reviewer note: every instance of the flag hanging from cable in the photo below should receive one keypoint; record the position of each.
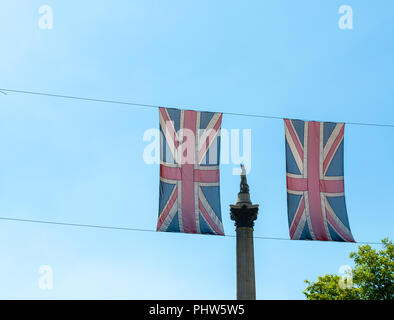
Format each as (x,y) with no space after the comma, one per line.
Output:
(189,172)
(315,181)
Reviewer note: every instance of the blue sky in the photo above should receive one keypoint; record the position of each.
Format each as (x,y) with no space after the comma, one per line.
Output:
(81,162)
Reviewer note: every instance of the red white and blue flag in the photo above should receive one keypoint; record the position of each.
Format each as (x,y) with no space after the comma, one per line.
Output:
(189,172)
(315,181)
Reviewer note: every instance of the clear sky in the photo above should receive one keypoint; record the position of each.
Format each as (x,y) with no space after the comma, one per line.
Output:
(81,162)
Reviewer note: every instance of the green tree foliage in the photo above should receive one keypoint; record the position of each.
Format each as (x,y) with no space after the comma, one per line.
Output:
(371,279)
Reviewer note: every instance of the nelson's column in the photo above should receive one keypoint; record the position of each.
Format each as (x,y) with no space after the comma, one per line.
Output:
(244,213)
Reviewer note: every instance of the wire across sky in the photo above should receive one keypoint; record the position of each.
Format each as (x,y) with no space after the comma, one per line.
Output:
(135,104)
(120,228)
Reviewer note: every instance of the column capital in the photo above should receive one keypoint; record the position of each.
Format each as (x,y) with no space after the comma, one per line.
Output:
(244,215)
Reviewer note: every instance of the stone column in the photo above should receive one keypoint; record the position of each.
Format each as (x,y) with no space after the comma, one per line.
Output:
(246,288)
(244,213)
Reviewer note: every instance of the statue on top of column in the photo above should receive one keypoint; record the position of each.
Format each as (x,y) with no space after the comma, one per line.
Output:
(244,187)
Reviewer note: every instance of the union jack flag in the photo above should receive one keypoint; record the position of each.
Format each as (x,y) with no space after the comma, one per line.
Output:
(315,181)
(189,172)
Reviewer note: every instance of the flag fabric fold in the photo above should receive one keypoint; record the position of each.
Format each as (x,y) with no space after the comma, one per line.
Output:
(189,172)
(315,181)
